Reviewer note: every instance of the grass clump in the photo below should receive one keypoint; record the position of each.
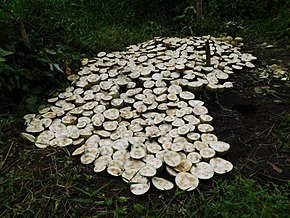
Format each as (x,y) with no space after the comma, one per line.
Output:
(246,198)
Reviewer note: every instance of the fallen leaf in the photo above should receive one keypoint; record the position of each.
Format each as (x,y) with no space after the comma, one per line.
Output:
(68,71)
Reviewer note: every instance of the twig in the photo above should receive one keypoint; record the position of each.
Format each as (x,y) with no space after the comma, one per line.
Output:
(261,133)
(270,130)
(6,155)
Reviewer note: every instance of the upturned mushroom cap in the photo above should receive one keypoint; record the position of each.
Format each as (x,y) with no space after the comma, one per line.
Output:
(138,152)
(208,137)
(140,185)
(147,171)
(207,153)
(184,165)
(186,181)
(155,162)
(220,165)
(112,114)
(202,170)
(78,151)
(172,158)
(42,142)
(28,137)
(204,127)
(219,146)
(162,184)
(114,170)
(129,174)
(34,129)
(100,167)
(194,157)
(87,158)
(133,164)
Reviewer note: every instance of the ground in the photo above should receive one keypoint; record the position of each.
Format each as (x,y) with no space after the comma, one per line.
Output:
(50,182)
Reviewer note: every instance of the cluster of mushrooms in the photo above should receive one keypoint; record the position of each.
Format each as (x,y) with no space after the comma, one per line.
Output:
(134,113)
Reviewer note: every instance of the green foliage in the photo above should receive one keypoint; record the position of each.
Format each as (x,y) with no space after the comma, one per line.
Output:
(280,24)
(246,198)
(251,19)
(5,69)
(246,8)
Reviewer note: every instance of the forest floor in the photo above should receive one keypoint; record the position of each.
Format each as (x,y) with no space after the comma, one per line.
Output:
(254,117)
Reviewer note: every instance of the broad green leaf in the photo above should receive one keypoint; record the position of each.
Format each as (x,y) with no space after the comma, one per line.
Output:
(31,100)
(4,52)
(58,68)
(2,59)
(50,51)
(139,208)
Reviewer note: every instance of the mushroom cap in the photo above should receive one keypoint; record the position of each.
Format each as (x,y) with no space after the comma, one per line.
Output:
(34,129)
(220,165)
(147,171)
(184,165)
(219,146)
(114,170)
(186,181)
(28,137)
(87,158)
(172,158)
(140,185)
(202,170)
(162,184)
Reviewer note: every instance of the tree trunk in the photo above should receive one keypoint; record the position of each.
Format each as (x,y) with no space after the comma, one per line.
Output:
(198,12)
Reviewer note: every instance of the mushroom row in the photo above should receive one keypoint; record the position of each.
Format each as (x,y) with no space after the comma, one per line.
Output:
(134,113)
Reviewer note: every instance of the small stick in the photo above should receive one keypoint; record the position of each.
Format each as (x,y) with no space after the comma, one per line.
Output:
(6,155)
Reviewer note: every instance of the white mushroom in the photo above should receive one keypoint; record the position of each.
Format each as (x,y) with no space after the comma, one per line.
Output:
(162,184)
(186,181)
(220,165)
(172,158)
(202,170)
(28,137)
(219,146)
(140,185)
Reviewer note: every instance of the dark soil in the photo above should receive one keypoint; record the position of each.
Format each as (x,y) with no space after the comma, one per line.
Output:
(248,121)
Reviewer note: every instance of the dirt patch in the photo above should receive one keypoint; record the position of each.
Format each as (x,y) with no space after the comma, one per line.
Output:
(248,120)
